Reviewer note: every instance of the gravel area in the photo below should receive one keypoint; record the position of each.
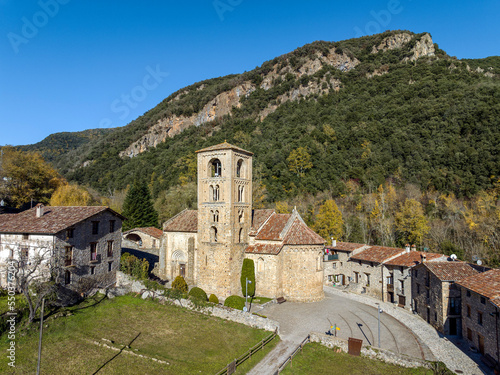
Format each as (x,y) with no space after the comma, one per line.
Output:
(441,347)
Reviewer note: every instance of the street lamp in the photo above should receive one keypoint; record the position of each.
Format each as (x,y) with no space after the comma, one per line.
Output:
(246,292)
(379,312)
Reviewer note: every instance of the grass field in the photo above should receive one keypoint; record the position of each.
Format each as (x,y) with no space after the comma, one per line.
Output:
(191,343)
(318,359)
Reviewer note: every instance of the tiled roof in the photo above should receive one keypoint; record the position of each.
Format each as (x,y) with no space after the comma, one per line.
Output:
(450,271)
(346,246)
(413,258)
(264,249)
(151,231)
(377,254)
(300,234)
(259,217)
(486,284)
(273,227)
(53,220)
(224,146)
(184,221)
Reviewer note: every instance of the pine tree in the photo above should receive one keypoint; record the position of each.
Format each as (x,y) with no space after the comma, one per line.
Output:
(138,207)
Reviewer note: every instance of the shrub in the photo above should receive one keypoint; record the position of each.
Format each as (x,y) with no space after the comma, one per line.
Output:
(180,284)
(236,302)
(133,266)
(248,272)
(213,298)
(198,293)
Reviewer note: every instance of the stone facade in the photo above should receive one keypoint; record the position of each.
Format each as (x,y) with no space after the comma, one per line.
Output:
(144,238)
(436,297)
(86,249)
(208,246)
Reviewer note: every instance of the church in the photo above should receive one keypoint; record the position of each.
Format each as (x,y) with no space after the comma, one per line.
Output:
(207,246)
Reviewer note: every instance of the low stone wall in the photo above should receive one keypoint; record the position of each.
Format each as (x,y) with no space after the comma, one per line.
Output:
(370,352)
(124,284)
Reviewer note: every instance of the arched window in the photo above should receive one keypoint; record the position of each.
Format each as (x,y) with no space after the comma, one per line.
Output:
(213,234)
(319,262)
(240,236)
(216,168)
(216,193)
(238,168)
(211,188)
(215,216)
(260,265)
(240,216)
(240,193)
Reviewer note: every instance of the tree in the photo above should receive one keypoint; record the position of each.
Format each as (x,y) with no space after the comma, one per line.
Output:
(180,284)
(71,195)
(27,177)
(411,222)
(138,207)
(248,272)
(299,161)
(329,221)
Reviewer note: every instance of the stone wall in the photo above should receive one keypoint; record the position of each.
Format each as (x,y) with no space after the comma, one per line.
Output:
(370,352)
(488,329)
(178,248)
(267,275)
(370,277)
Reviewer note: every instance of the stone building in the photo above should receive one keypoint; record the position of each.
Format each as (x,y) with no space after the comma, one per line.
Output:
(436,296)
(336,264)
(480,295)
(86,241)
(207,246)
(144,238)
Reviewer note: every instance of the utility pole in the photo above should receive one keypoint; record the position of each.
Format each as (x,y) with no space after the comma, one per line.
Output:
(246,292)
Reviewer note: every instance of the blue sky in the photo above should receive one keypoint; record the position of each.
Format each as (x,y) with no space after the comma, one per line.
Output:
(70,65)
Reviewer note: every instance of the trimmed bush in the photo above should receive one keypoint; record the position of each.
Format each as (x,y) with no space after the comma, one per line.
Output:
(236,302)
(248,271)
(180,284)
(213,298)
(198,294)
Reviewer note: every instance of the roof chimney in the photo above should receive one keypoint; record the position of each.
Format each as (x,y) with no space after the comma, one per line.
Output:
(334,242)
(413,247)
(423,258)
(39,210)
(407,247)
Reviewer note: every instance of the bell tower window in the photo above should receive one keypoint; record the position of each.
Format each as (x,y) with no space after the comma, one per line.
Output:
(240,193)
(238,168)
(213,234)
(216,168)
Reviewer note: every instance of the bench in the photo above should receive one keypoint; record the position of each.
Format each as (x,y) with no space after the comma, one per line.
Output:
(280,300)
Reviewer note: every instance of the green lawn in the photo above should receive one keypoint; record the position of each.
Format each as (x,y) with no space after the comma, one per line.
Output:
(318,359)
(190,342)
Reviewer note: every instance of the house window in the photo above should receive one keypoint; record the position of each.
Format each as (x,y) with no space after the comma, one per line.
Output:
(435,316)
(110,266)
(24,253)
(93,251)
(468,293)
(112,226)
(11,254)
(68,256)
(92,270)
(154,243)
(238,168)
(67,277)
(26,236)
(401,269)
(415,305)
(418,288)
(390,279)
(216,168)
(480,318)
(95,227)
(416,273)
(110,248)
(70,232)
(428,293)
(483,300)
(367,279)
(402,286)
(468,311)
(469,334)
(428,280)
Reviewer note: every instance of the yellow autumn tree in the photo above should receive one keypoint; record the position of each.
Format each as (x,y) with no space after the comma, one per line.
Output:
(299,161)
(282,208)
(329,221)
(411,222)
(71,195)
(27,177)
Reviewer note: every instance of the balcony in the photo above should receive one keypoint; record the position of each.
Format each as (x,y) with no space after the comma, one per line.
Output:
(95,258)
(329,257)
(68,263)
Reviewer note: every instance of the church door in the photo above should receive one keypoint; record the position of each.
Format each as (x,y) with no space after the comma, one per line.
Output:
(182,270)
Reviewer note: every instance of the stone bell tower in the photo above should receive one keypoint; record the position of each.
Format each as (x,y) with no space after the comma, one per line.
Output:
(224,217)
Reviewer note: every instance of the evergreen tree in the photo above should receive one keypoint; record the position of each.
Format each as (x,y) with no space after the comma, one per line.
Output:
(138,207)
(248,272)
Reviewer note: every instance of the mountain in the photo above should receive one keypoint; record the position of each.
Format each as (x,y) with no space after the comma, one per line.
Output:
(387,106)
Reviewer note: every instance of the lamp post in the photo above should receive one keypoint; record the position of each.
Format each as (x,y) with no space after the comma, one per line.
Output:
(379,312)
(246,291)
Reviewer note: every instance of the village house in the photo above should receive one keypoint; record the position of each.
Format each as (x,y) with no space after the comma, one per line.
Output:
(85,242)
(480,294)
(207,246)
(336,266)
(436,295)
(144,238)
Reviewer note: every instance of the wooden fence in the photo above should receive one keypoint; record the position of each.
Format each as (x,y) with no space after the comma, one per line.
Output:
(290,357)
(231,367)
